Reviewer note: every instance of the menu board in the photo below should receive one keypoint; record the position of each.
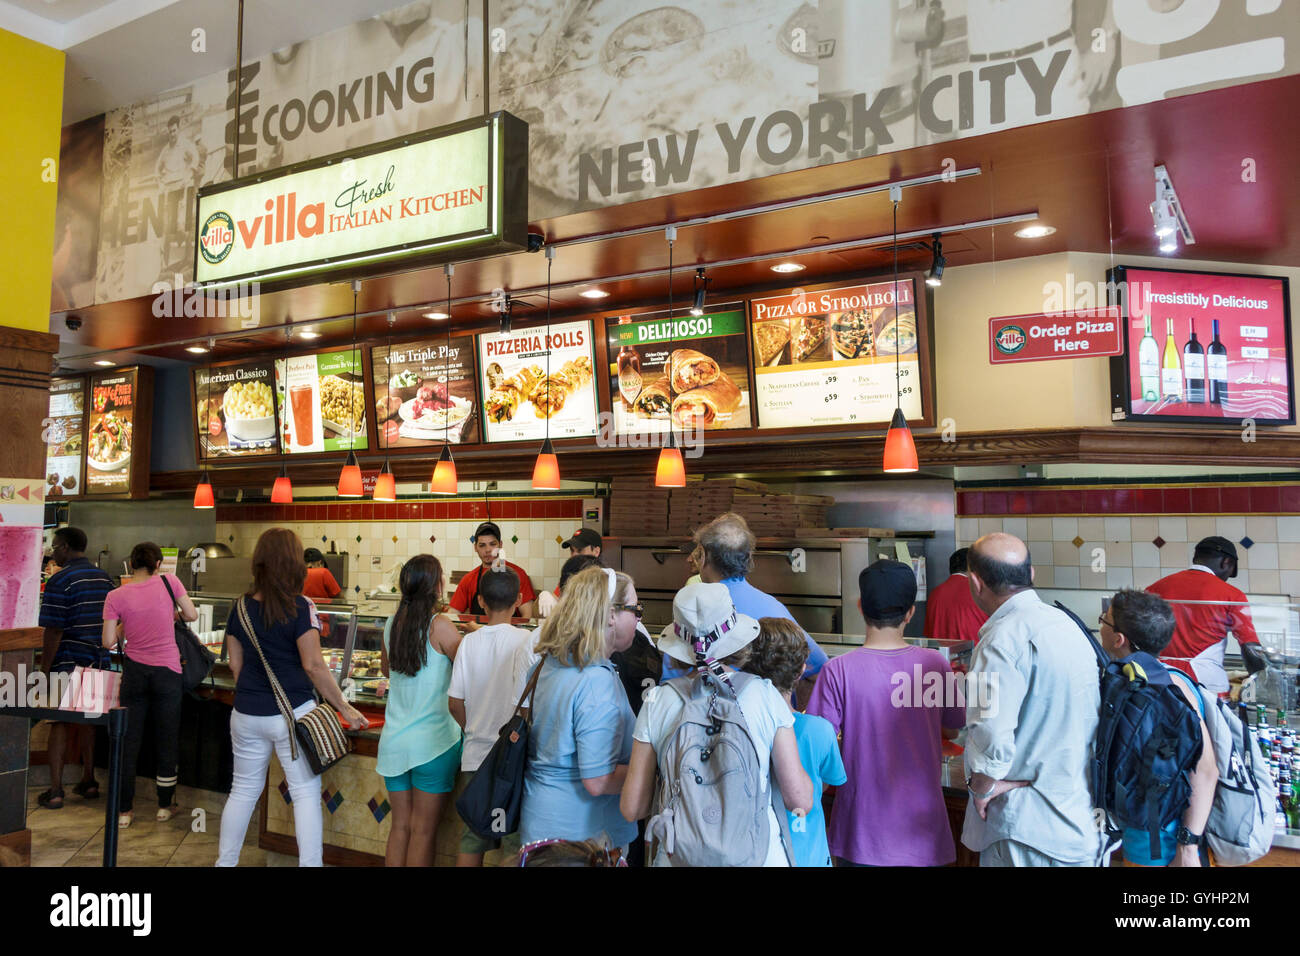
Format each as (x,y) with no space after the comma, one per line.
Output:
(828,357)
(520,399)
(689,372)
(64,435)
(322,402)
(235,408)
(1204,346)
(112,434)
(424,391)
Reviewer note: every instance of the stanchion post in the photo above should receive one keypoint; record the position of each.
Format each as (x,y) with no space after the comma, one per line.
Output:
(116,732)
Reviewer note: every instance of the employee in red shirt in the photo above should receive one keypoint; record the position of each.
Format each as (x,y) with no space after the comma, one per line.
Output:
(951,614)
(1201,629)
(487,544)
(320,583)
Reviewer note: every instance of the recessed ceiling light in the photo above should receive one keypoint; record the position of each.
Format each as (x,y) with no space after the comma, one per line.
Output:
(788,267)
(436,315)
(196,349)
(103,362)
(308,334)
(593,293)
(1036,231)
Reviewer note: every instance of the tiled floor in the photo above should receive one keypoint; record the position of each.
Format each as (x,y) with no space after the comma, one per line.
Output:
(74,835)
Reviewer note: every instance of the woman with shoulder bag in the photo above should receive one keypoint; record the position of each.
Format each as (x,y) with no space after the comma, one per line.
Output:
(581,736)
(144,610)
(419,748)
(286,631)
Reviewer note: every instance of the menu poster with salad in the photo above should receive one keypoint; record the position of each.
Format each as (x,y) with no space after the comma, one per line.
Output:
(322,402)
(827,357)
(117,437)
(520,400)
(424,391)
(235,408)
(64,435)
(687,372)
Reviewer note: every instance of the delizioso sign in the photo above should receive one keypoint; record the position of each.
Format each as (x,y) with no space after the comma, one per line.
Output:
(453,193)
(1037,338)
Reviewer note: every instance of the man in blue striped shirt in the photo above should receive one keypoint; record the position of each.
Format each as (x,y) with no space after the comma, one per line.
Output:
(72,613)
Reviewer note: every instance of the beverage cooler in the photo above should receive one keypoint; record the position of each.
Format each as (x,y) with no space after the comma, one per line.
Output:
(815,578)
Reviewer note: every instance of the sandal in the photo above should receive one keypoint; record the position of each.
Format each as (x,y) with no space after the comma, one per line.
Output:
(166,813)
(51,800)
(88,790)
(124,820)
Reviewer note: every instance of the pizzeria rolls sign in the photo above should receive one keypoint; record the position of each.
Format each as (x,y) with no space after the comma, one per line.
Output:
(452,193)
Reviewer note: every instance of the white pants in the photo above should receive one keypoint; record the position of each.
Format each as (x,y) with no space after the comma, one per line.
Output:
(253,739)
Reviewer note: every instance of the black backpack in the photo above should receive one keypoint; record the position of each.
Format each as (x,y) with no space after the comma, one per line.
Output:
(1148,743)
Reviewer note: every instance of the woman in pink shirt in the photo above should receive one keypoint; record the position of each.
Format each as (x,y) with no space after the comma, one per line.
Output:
(142,612)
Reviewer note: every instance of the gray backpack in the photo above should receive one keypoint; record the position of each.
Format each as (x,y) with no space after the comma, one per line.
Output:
(712,804)
(1240,827)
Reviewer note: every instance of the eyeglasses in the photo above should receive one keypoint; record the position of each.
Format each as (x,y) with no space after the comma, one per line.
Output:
(1109,624)
(636,609)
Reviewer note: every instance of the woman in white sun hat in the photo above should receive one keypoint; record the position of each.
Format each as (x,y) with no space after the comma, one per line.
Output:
(676,731)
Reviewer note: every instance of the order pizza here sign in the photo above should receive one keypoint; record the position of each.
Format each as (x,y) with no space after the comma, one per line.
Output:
(1083,333)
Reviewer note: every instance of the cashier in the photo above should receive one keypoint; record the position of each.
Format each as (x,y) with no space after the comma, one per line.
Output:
(320,583)
(951,614)
(1214,608)
(487,544)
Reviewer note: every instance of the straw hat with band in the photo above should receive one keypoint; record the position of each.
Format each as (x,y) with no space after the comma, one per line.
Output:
(706,629)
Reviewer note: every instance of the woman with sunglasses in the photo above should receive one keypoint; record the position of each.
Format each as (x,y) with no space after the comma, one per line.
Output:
(581,736)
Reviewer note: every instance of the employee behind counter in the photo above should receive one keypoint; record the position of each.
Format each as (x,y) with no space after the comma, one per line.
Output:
(487,544)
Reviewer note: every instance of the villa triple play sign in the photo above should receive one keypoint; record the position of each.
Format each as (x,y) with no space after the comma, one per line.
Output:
(454,193)
(1082,333)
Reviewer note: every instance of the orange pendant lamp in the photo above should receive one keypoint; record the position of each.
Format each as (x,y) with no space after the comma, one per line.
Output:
(546,470)
(203,497)
(900,449)
(670,472)
(282,491)
(443,481)
(350,478)
(385,485)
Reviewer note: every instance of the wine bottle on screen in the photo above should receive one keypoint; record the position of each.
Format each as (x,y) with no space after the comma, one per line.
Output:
(1149,364)
(1217,362)
(1194,365)
(1171,370)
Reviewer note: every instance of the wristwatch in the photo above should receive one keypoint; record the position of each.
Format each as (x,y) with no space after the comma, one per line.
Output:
(1186,837)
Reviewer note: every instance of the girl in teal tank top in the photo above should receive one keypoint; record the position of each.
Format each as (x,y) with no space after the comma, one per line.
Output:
(419,748)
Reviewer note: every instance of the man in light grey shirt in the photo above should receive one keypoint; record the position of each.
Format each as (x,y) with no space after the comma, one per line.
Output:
(1031,720)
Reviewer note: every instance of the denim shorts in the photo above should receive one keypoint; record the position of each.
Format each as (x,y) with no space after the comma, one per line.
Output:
(436,776)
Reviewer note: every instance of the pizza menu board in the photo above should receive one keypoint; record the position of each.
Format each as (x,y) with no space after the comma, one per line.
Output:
(322,402)
(1204,347)
(828,357)
(111,435)
(235,407)
(520,400)
(689,372)
(424,391)
(64,437)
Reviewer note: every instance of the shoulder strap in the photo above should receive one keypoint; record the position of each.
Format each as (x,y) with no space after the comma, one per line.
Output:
(281,698)
(530,689)
(170,593)
(1196,690)
(1102,658)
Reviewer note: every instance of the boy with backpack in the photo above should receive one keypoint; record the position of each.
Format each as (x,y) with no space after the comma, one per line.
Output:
(1158,774)
(491,667)
(779,654)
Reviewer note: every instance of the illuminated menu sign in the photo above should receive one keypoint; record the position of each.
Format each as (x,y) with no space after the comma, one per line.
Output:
(425,392)
(521,399)
(64,437)
(322,402)
(830,357)
(234,407)
(117,435)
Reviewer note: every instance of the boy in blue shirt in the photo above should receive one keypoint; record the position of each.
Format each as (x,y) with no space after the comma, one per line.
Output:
(780,653)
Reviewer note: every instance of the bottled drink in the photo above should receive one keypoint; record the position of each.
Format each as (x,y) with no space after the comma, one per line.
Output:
(1194,366)
(1171,371)
(1280,820)
(1149,363)
(1217,366)
(1294,815)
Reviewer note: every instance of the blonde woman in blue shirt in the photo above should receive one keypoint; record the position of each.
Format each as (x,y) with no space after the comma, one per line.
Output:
(419,749)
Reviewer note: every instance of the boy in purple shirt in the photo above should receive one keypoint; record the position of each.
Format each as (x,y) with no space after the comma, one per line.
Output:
(891,704)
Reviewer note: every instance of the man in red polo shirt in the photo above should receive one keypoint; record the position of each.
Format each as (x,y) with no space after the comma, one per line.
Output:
(487,544)
(950,611)
(1201,629)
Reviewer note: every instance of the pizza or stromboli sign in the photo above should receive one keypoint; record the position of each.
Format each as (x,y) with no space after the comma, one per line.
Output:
(456,192)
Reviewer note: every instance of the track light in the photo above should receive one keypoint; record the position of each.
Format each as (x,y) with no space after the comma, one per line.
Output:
(701,289)
(937,264)
(506,306)
(1167,216)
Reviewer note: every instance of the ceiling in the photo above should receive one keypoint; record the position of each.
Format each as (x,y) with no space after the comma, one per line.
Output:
(1089,176)
(106,40)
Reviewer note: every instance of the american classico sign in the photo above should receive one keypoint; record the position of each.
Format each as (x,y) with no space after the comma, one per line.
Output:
(453,193)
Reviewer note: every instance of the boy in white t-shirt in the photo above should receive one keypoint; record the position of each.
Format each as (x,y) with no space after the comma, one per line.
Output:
(491,668)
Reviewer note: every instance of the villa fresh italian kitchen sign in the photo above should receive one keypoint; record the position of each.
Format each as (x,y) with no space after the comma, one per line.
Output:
(1083,333)
(456,192)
